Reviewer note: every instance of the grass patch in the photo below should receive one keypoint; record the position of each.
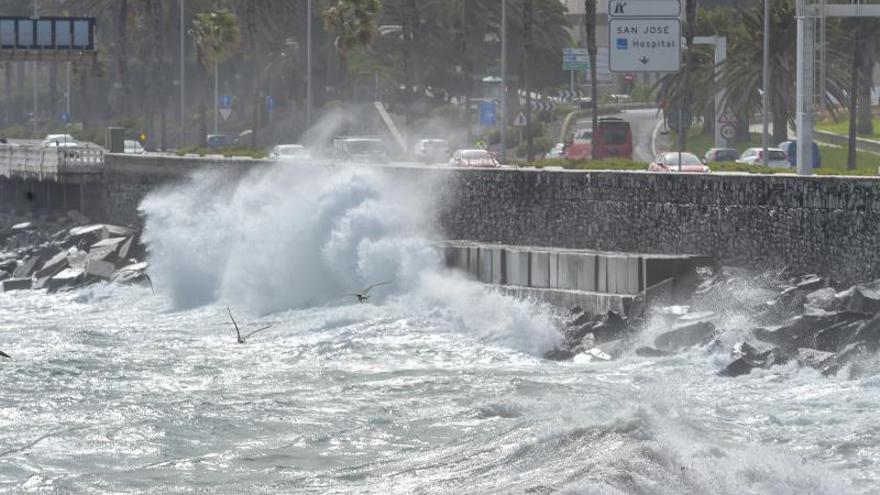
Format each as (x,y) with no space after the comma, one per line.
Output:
(585,164)
(841,126)
(226,151)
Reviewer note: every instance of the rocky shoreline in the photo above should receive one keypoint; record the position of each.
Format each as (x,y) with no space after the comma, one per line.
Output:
(803,319)
(67,251)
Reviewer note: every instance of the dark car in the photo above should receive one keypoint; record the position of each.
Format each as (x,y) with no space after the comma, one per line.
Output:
(721,155)
(790,149)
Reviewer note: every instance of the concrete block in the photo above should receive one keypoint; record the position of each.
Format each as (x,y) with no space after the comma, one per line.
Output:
(516,267)
(617,270)
(554,270)
(68,277)
(498,266)
(633,271)
(26,268)
(103,270)
(567,271)
(601,273)
(16,284)
(484,268)
(586,271)
(474,261)
(54,265)
(539,269)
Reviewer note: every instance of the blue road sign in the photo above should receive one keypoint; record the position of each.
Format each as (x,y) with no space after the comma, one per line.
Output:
(224,102)
(65,117)
(679,119)
(270,104)
(487,113)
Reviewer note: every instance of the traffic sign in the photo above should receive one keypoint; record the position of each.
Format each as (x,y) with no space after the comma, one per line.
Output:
(727,117)
(644,8)
(645,45)
(520,120)
(728,131)
(487,113)
(224,106)
(575,59)
(65,117)
(679,119)
(270,104)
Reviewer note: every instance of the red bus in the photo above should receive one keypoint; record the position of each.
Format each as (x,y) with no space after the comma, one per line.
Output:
(613,139)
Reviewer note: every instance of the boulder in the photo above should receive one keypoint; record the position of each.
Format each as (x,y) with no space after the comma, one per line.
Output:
(103,270)
(8,265)
(652,352)
(869,334)
(22,227)
(863,298)
(804,330)
(16,284)
(747,358)
(69,277)
(813,358)
(686,336)
(821,300)
(558,355)
(54,265)
(26,268)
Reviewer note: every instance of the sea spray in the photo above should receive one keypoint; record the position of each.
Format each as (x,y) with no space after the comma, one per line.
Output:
(296,236)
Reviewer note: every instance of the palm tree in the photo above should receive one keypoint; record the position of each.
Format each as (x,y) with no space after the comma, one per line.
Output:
(354,22)
(217,36)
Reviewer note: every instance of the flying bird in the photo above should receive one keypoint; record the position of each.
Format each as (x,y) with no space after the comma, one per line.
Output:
(7,356)
(364,295)
(241,339)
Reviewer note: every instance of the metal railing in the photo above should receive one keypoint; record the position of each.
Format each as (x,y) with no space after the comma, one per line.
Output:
(38,160)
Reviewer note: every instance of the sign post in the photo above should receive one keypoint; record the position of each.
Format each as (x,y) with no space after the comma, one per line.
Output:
(487,114)
(644,35)
(224,106)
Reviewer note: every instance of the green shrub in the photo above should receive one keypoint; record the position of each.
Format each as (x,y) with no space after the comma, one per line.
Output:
(226,151)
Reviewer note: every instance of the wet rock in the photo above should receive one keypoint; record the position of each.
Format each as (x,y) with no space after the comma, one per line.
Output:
(8,266)
(686,336)
(16,284)
(813,358)
(22,227)
(69,277)
(862,298)
(652,352)
(88,235)
(869,334)
(822,300)
(838,335)
(26,268)
(581,320)
(53,266)
(747,358)
(102,270)
(558,355)
(804,330)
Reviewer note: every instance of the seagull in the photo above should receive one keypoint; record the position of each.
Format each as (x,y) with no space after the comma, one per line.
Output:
(7,356)
(364,295)
(241,339)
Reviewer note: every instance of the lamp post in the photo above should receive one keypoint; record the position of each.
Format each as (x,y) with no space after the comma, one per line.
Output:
(765,97)
(35,65)
(308,64)
(503,81)
(182,79)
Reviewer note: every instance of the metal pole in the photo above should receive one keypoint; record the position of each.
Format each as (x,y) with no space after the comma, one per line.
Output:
(308,64)
(67,93)
(182,79)
(720,58)
(35,66)
(216,99)
(503,81)
(571,84)
(804,122)
(765,97)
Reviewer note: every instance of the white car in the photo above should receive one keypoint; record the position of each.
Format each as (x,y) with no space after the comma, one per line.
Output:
(557,152)
(290,152)
(755,156)
(675,161)
(60,141)
(473,158)
(134,147)
(432,150)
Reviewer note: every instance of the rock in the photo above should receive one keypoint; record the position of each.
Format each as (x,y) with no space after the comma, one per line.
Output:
(581,319)
(103,270)
(69,277)
(869,334)
(686,336)
(78,217)
(53,266)
(16,284)
(863,298)
(558,355)
(748,358)
(821,300)
(8,266)
(652,352)
(838,335)
(21,227)
(804,330)
(78,258)
(810,282)
(26,268)
(813,358)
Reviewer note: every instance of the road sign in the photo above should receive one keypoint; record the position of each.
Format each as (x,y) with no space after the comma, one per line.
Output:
(644,8)
(520,120)
(575,59)
(270,104)
(645,45)
(728,117)
(224,106)
(65,117)
(728,131)
(487,113)
(679,119)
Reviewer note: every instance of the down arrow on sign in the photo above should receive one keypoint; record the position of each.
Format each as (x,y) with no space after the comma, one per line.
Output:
(644,60)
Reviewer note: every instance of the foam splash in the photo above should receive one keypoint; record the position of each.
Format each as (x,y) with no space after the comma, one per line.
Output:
(291,237)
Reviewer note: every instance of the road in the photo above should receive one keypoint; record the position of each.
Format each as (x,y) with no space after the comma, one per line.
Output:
(643,122)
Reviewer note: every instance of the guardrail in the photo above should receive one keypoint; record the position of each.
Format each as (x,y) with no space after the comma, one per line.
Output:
(40,161)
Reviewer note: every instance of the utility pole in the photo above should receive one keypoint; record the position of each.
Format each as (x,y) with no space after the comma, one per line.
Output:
(35,65)
(503,81)
(216,97)
(67,92)
(765,97)
(308,64)
(182,78)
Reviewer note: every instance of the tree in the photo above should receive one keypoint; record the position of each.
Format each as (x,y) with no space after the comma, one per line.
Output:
(354,22)
(217,36)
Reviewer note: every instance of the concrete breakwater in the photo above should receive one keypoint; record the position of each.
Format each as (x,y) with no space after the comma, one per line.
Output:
(828,225)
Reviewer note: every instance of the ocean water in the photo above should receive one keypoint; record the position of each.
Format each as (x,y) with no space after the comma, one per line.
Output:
(435,386)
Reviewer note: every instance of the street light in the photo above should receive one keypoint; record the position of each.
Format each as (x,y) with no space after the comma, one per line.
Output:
(182,79)
(765,138)
(503,81)
(308,64)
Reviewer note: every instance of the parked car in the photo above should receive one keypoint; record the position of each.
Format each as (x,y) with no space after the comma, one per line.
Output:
(721,155)
(790,149)
(432,150)
(60,141)
(755,156)
(473,158)
(133,146)
(218,140)
(286,152)
(557,151)
(360,149)
(675,161)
